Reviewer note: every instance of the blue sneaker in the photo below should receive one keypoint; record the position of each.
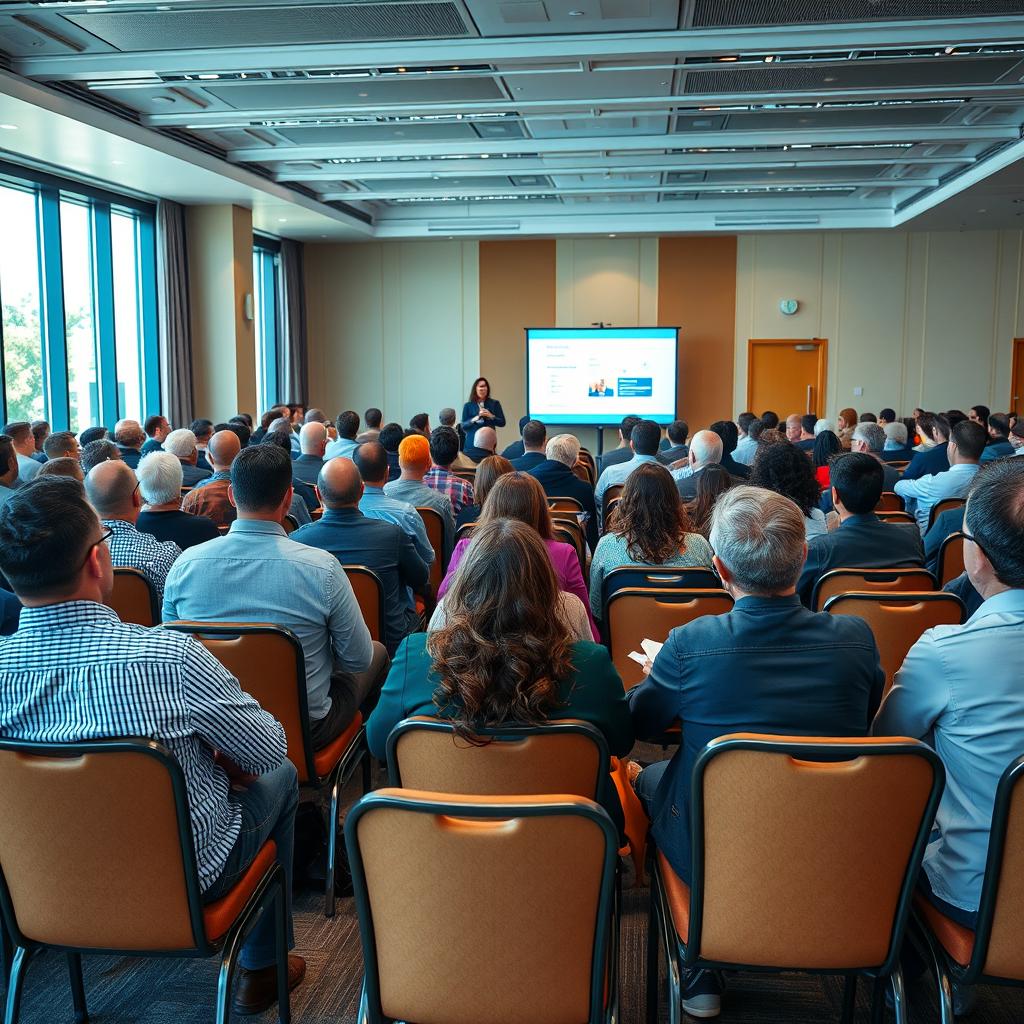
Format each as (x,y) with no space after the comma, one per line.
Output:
(702,994)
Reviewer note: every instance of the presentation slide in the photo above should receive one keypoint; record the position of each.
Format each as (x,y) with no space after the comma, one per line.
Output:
(592,375)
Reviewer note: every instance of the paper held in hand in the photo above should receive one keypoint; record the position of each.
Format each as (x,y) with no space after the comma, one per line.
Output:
(651,648)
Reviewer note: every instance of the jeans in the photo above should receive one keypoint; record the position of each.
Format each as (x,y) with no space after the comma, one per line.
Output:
(268,812)
(645,785)
(349,694)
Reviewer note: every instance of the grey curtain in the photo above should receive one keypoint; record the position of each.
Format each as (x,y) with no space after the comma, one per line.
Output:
(292,354)
(175,333)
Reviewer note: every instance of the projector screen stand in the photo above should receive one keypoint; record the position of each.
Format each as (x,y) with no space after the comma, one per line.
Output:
(600,441)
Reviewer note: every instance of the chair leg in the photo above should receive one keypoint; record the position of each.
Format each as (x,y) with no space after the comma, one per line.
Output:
(899,995)
(367,772)
(284,1009)
(77,988)
(226,977)
(6,953)
(652,961)
(332,850)
(945,987)
(15,984)
(878,1001)
(849,999)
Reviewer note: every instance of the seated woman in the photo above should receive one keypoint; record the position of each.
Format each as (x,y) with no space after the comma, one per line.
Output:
(502,658)
(520,496)
(649,526)
(826,446)
(712,481)
(487,473)
(787,471)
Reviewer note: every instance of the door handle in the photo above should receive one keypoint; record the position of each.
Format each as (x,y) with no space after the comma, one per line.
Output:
(810,391)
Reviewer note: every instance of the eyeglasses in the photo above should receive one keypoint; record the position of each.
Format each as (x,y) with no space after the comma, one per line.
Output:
(974,540)
(105,536)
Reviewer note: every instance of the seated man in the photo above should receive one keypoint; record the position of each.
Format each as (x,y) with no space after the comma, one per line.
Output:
(746,445)
(794,427)
(517,449)
(373,418)
(355,539)
(806,441)
(959,690)
(62,467)
(304,499)
(767,666)
(391,436)
(182,444)
(705,450)
(485,442)
(414,460)
(624,452)
(62,445)
(447,417)
(156,428)
(897,448)
(555,475)
(644,441)
(74,672)
(8,468)
(129,437)
(678,431)
(348,428)
(729,434)
(203,429)
(95,452)
(869,439)
(934,458)
(210,496)
(113,492)
(312,444)
(420,423)
(40,432)
(862,540)
(535,440)
(255,573)
(444,449)
(24,443)
(998,445)
(159,475)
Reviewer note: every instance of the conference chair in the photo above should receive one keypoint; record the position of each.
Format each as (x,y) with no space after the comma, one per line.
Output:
(898,620)
(992,953)
(568,530)
(134,597)
(469,475)
(889,502)
(485,909)
(944,506)
(878,581)
(804,857)
(606,518)
(565,505)
(268,662)
(649,577)
(951,558)
(97,855)
(634,614)
(896,517)
(435,534)
(585,471)
(464,532)
(369,591)
(900,465)
(290,523)
(613,492)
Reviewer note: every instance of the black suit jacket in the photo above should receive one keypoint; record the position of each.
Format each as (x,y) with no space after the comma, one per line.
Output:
(471,410)
(613,458)
(928,463)
(513,451)
(735,468)
(861,542)
(559,481)
(477,454)
(946,523)
(673,454)
(527,461)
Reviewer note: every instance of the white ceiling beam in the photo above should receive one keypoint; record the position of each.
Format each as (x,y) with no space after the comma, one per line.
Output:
(627,45)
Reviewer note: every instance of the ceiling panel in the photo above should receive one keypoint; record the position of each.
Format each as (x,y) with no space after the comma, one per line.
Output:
(577,85)
(369,132)
(548,17)
(825,118)
(714,13)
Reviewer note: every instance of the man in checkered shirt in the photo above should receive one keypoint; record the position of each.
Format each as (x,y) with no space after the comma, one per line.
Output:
(444,449)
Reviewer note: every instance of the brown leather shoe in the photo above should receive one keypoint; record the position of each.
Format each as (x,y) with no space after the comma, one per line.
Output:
(257,990)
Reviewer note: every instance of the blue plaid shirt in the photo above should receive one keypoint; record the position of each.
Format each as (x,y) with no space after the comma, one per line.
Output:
(74,672)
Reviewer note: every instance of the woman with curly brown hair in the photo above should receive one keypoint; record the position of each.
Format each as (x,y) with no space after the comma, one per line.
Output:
(787,471)
(502,657)
(648,527)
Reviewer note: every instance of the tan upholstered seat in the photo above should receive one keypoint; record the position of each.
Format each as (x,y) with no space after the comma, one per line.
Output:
(220,915)
(435,534)
(951,558)
(889,502)
(369,592)
(134,598)
(944,506)
(866,581)
(610,494)
(896,517)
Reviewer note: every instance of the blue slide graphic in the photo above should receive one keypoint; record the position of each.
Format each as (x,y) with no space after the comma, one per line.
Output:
(636,387)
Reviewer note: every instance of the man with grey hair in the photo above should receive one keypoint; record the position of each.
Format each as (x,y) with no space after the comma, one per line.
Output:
(870,438)
(129,437)
(159,476)
(706,449)
(95,452)
(182,444)
(555,474)
(768,666)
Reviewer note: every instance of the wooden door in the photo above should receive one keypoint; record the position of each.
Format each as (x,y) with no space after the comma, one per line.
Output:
(787,375)
(1017,389)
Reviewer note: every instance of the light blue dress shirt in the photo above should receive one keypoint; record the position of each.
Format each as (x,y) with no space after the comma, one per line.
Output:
(960,690)
(618,473)
(27,468)
(342,448)
(419,495)
(255,573)
(924,492)
(6,492)
(746,449)
(377,505)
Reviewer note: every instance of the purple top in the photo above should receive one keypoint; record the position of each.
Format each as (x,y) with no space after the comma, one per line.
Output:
(567,568)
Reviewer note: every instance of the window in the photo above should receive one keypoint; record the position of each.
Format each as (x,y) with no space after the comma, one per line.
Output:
(265,262)
(78,297)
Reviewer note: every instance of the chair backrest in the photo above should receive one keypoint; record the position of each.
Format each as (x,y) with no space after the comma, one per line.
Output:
(649,577)
(435,534)
(569,531)
(899,464)
(369,591)
(895,517)
(806,851)
(635,614)
(133,597)
(567,756)
(564,505)
(585,471)
(951,558)
(609,508)
(96,849)
(879,581)
(469,475)
(944,506)
(439,878)
(899,619)
(464,532)
(269,664)
(889,502)
(290,523)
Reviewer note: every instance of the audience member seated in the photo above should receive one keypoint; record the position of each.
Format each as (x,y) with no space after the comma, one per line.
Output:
(486,476)
(729,433)
(304,499)
(355,539)
(62,445)
(886,416)
(312,445)
(807,435)
(10,612)
(203,430)
(444,450)
(99,451)
(787,471)
(705,450)
(485,443)
(73,671)
(966,443)
(767,666)
(896,447)
(210,497)
(373,418)
(516,449)
(862,540)
(237,426)
(93,434)
(979,414)
(794,428)
(998,445)
(159,476)
(930,457)
(8,468)
(826,447)
(712,482)
(182,445)
(391,436)
(868,417)
(745,444)
(770,420)
(347,424)
(129,438)
(624,452)
(113,492)
(649,526)
(644,441)
(62,467)
(255,573)
(371,461)
(520,496)
(414,460)
(40,432)
(678,432)
(283,426)
(959,690)
(447,418)
(555,475)
(265,420)
(156,428)
(846,423)
(869,439)
(498,656)
(1017,437)
(535,440)
(24,443)
(420,423)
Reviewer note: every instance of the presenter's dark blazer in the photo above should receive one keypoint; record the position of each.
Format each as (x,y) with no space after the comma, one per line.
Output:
(861,542)
(527,461)
(469,413)
(927,463)
(559,481)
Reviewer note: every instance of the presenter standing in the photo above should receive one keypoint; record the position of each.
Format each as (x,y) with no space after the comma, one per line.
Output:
(480,411)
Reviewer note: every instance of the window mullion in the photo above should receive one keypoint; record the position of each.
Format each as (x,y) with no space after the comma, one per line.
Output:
(149,341)
(53,326)
(103,303)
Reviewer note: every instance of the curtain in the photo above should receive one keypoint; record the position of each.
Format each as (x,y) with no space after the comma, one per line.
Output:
(176,393)
(292,354)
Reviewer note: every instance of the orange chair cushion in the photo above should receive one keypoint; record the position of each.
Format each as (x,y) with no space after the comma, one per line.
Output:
(220,915)
(956,940)
(421,605)
(324,760)
(677,894)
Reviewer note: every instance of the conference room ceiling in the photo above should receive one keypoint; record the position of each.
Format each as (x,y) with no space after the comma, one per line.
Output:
(486,118)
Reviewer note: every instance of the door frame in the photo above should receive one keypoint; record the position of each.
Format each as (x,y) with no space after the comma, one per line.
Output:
(1015,384)
(821,344)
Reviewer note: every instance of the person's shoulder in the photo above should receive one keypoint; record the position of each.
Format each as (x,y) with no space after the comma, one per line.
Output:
(589,657)
(844,629)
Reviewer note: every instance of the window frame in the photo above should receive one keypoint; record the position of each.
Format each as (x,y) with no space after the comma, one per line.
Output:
(266,281)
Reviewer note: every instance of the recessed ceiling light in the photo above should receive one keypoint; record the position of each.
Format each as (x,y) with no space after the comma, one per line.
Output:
(983,210)
(402,70)
(364,95)
(117,163)
(9,127)
(163,99)
(282,220)
(576,14)
(611,236)
(208,77)
(484,156)
(829,78)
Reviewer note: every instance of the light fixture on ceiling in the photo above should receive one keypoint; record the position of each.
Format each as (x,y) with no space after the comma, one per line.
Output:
(485,156)
(8,127)
(163,99)
(363,95)
(282,220)
(577,13)
(611,236)
(208,77)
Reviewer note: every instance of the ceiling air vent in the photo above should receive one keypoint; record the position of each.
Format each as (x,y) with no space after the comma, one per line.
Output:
(722,13)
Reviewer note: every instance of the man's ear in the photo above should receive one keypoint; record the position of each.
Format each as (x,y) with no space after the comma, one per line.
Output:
(231,496)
